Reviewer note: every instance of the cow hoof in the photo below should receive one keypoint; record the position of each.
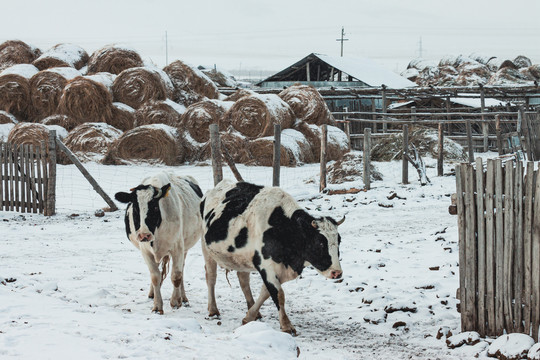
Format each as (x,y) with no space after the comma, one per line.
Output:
(291,331)
(213,317)
(159,312)
(185,303)
(259,316)
(176,304)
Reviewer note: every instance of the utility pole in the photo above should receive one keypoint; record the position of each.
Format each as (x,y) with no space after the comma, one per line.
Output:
(166,49)
(342,39)
(420,47)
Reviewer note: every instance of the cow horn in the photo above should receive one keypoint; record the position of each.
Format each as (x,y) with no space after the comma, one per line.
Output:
(341,221)
(314,224)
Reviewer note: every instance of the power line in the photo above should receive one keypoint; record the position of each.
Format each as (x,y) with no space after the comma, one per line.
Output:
(342,39)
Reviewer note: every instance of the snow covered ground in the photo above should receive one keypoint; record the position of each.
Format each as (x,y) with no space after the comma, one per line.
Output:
(76,288)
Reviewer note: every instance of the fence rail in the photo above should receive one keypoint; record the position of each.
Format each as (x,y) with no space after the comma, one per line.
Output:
(499,247)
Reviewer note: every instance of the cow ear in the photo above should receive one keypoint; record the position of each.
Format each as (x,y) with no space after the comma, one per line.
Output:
(314,224)
(123,197)
(164,191)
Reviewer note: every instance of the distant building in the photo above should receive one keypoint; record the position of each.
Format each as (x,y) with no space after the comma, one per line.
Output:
(321,70)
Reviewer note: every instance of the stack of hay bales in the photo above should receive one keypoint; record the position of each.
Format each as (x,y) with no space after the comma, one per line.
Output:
(190,84)
(307,104)
(13,52)
(220,77)
(91,141)
(62,55)
(113,59)
(15,90)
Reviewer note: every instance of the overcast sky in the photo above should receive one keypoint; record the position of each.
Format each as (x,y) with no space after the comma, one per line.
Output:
(270,35)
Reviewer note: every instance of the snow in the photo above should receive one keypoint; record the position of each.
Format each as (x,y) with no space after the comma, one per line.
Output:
(534,352)
(104,78)
(123,106)
(4,131)
(24,70)
(68,53)
(81,287)
(179,108)
(67,73)
(511,346)
(61,133)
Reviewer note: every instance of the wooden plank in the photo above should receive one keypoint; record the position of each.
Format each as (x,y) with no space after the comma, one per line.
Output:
(499,248)
(440,151)
(51,183)
(485,130)
(277,154)
(216,153)
(24,177)
(517,267)
(322,169)
(490,248)
(404,160)
(6,176)
(39,179)
(374,116)
(481,243)
(470,265)
(366,158)
(527,242)
(11,165)
(499,134)
(461,212)
(28,162)
(535,271)
(44,167)
(33,177)
(469,141)
(16,181)
(1,176)
(508,245)
(384,107)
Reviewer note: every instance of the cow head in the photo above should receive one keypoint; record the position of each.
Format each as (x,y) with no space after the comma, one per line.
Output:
(143,214)
(322,247)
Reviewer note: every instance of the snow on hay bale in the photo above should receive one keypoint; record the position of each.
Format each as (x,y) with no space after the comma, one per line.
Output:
(62,55)
(425,140)
(106,79)
(113,59)
(254,116)
(136,86)
(15,90)
(200,115)
(190,83)
(90,141)
(5,129)
(236,145)
(534,70)
(159,112)
(123,116)
(86,101)
(510,76)
(67,122)
(156,143)
(307,104)
(337,142)
(33,134)
(238,94)
(473,74)
(262,152)
(220,77)
(7,118)
(46,89)
(13,52)
(522,61)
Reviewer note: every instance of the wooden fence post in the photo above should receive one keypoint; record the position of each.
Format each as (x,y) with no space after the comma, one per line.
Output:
(366,158)
(535,271)
(277,154)
(404,160)
(499,246)
(481,243)
(324,140)
(374,116)
(216,153)
(485,129)
(50,208)
(440,155)
(499,134)
(470,142)
(385,125)
(490,247)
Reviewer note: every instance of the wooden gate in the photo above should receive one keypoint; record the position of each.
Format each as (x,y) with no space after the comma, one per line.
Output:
(499,247)
(25,179)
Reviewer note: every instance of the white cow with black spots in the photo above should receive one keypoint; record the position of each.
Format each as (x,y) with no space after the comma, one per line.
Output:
(162,220)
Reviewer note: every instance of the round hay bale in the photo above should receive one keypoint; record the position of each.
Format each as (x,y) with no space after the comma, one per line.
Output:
(410,74)
(136,86)
(155,144)
(188,79)
(62,55)
(220,77)
(105,79)
(508,64)
(510,76)
(473,74)
(123,117)
(199,116)
(297,146)
(262,152)
(15,90)
(86,101)
(7,118)
(91,141)
(337,142)
(67,122)
(13,52)
(33,134)
(254,116)
(534,70)
(46,89)
(236,145)
(522,61)
(159,112)
(113,59)
(240,93)
(307,104)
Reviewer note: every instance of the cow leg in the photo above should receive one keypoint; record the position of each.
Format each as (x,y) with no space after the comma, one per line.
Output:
(273,285)
(155,276)
(210,267)
(243,279)
(151,291)
(253,311)
(177,278)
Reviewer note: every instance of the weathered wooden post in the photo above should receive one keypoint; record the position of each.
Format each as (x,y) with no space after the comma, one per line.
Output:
(50,208)
(404,160)
(324,140)
(374,116)
(449,128)
(469,142)
(367,158)
(485,130)
(413,113)
(216,153)
(499,134)
(277,155)
(385,125)
(440,147)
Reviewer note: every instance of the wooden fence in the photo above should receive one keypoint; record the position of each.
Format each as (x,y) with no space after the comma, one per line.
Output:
(25,173)
(499,247)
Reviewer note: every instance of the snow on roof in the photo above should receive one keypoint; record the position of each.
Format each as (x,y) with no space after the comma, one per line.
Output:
(366,70)
(470,102)
(24,70)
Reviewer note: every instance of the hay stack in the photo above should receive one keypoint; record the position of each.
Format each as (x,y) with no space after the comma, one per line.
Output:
(337,143)
(199,116)
(7,118)
(509,76)
(159,112)
(33,134)
(86,101)
(15,90)
(105,79)
(62,55)
(91,141)
(254,116)
(13,52)
(46,89)
(123,117)
(136,86)
(240,93)
(220,77)
(350,168)
(67,122)
(307,104)
(156,143)
(534,70)
(473,74)
(297,146)
(113,59)
(522,61)
(262,152)
(188,80)
(236,145)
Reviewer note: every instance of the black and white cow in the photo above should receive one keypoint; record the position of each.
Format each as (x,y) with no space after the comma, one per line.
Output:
(162,220)
(255,228)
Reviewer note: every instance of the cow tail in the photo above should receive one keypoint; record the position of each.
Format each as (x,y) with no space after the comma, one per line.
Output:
(164,267)
(227,276)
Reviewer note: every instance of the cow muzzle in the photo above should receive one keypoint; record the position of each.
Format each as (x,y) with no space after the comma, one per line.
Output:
(144,237)
(336,274)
